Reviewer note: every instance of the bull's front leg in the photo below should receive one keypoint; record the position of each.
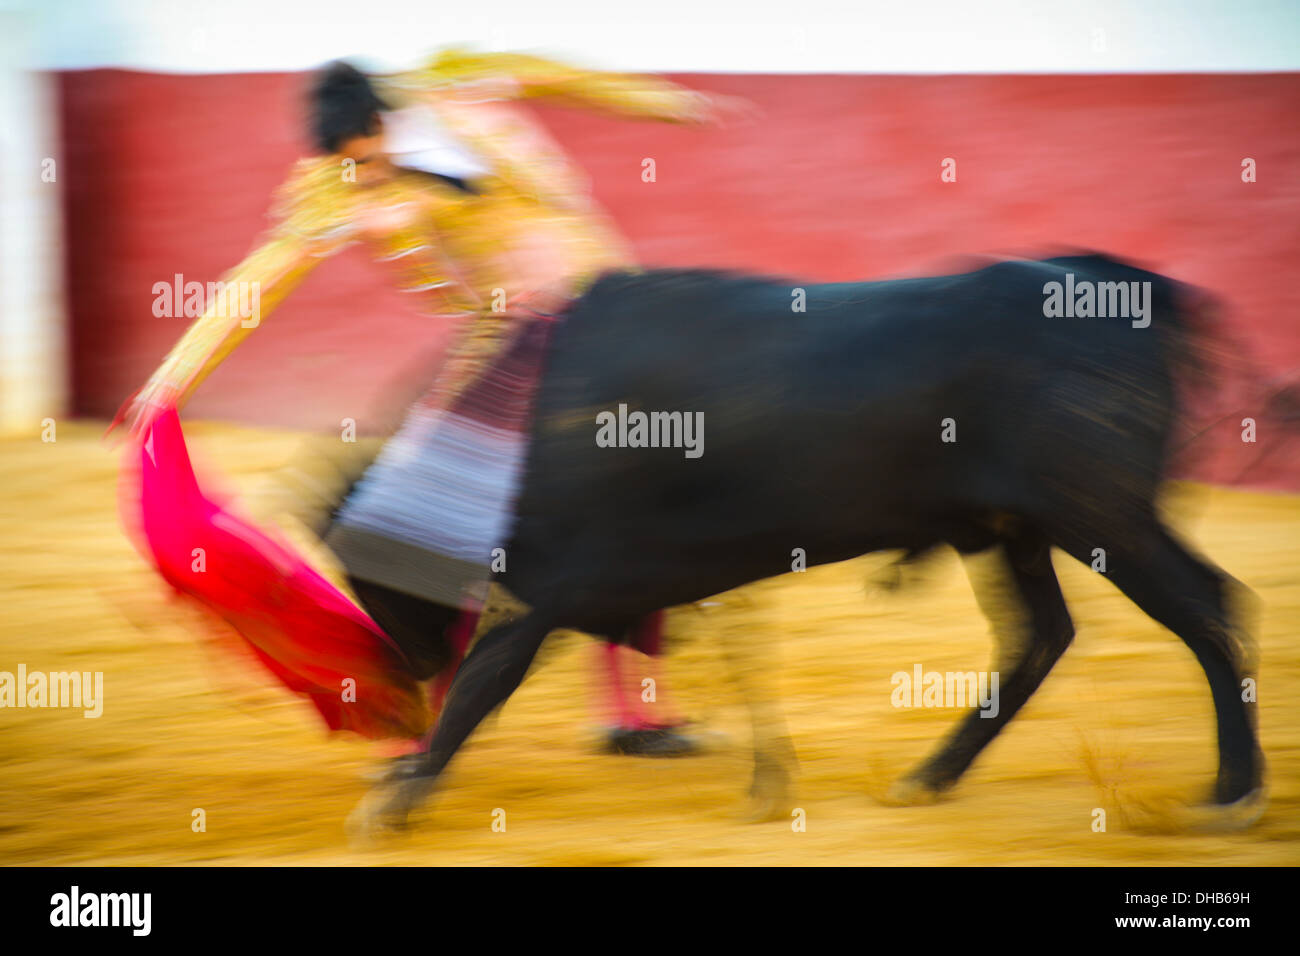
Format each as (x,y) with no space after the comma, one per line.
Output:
(1016,588)
(491,672)
(753,668)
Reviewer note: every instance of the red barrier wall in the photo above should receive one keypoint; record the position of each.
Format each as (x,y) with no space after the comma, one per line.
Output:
(840,179)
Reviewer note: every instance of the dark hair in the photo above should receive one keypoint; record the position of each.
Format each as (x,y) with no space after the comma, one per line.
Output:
(342,105)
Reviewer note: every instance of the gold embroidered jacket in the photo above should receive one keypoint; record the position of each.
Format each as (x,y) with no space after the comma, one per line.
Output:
(530,226)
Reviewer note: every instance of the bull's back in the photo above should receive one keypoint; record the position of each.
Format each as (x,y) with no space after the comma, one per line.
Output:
(824,424)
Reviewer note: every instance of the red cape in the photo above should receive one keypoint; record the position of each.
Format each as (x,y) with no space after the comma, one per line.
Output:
(306,631)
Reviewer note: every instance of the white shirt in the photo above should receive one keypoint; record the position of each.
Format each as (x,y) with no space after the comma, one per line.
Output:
(415,138)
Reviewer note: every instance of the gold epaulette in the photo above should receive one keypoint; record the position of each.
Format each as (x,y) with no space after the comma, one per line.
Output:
(316,203)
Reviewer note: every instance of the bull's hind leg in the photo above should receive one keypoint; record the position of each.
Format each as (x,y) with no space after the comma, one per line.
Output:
(1016,588)
(491,672)
(753,670)
(1197,601)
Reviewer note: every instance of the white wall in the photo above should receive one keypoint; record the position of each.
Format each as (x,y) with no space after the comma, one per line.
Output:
(33,373)
(825,36)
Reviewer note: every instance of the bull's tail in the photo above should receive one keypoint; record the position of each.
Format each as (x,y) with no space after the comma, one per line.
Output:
(1234,418)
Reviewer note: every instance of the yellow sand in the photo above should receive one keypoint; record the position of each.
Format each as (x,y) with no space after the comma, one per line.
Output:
(1123,723)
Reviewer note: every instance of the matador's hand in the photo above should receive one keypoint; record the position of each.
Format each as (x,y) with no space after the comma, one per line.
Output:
(724,110)
(137,414)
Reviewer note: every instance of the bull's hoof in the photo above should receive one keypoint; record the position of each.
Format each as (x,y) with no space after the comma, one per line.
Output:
(1166,813)
(768,803)
(1241,814)
(771,794)
(368,825)
(913,792)
(385,811)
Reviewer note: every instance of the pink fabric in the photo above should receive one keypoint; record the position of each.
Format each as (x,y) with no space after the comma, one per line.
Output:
(299,625)
(617,707)
(620,688)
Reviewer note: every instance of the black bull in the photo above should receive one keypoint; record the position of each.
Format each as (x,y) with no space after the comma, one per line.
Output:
(884,415)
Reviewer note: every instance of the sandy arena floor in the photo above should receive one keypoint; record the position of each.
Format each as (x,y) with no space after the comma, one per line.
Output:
(1122,723)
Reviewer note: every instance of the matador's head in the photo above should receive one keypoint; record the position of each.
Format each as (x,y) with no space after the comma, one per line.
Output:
(345,116)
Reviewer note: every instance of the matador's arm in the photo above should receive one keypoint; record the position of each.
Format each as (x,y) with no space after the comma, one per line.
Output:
(299,240)
(523,76)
